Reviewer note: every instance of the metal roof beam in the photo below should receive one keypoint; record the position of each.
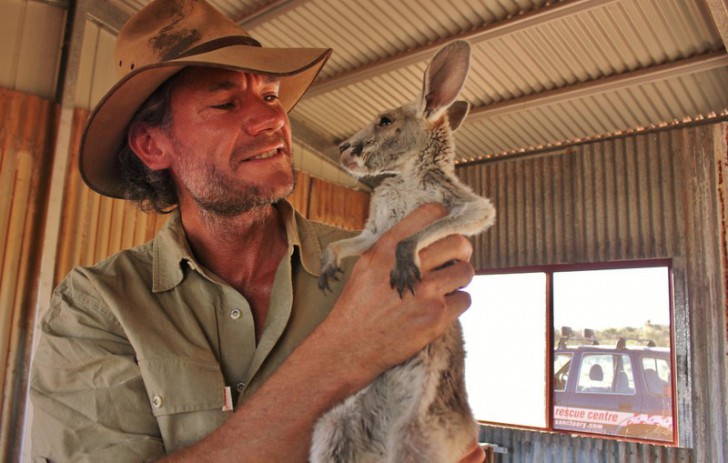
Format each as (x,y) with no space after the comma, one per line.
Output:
(268,12)
(511,25)
(105,13)
(703,63)
(719,11)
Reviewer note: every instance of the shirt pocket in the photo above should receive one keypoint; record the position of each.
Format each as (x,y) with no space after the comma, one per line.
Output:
(186,397)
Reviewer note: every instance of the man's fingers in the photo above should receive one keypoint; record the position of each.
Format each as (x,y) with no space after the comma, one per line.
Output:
(450,248)
(474,454)
(459,301)
(450,278)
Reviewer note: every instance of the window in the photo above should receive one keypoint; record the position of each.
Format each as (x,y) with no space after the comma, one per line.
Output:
(579,351)
(562,363)
(657,376)
(605,374)
(506,346)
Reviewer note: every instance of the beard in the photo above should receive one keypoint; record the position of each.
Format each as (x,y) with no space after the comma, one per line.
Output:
(219,194)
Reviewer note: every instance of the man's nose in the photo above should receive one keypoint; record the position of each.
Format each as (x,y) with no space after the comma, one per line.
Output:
(262,116)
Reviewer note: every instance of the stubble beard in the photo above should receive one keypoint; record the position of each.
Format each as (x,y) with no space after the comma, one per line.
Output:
(219,195)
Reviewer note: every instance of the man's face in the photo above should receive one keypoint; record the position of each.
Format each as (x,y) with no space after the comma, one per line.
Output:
(230,141)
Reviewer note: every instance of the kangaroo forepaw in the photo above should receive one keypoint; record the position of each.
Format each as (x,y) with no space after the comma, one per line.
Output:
(404,275)
(328,274)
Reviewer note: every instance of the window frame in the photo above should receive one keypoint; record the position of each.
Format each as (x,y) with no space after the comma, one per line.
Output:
(676,349)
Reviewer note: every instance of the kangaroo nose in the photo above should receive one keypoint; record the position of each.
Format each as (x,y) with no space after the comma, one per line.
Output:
(356,149)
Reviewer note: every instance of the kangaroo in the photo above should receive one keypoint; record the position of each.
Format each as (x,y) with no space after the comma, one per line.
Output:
(416,412)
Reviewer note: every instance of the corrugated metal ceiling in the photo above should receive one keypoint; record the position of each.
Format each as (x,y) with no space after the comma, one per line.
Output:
(544,73)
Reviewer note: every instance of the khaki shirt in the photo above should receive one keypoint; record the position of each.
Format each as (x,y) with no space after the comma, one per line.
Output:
(145,352)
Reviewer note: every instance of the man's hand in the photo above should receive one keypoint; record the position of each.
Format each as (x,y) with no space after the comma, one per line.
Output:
(377,329)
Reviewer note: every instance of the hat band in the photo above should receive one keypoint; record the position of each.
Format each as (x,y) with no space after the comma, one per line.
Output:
(222,42)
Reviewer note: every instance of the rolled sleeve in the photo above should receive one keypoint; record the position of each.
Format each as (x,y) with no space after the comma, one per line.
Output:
(89,399)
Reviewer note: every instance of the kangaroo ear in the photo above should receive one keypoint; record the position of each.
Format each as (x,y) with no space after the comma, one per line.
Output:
(444,78)
(456,114)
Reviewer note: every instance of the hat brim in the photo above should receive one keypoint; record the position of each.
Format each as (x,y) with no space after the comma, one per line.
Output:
(105,132)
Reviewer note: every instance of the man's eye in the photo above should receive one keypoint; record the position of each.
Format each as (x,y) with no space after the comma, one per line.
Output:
(227,105)
(271,97)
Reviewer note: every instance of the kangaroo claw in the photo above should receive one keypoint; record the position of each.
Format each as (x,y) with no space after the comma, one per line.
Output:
(328,274)
(404,276)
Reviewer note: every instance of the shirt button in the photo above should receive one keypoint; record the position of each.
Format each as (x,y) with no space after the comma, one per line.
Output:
(235,314)
(240,387)
(157,401)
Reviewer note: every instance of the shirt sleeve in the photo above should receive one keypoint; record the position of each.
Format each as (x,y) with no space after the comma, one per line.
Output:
(89,400)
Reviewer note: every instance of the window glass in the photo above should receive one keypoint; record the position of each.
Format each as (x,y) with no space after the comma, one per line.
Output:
(616,325)
(505,335)
(657,374)
(606,374)
(562,363)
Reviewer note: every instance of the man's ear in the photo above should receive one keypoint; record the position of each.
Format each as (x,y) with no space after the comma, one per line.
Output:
(148,144)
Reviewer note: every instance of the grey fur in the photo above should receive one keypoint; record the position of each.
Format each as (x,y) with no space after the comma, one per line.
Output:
(417,411)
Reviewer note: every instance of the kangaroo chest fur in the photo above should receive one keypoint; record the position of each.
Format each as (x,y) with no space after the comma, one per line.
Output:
(396,197)
(418,410)
(413,413)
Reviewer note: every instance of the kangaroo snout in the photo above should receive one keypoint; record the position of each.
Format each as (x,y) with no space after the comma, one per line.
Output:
(356,149)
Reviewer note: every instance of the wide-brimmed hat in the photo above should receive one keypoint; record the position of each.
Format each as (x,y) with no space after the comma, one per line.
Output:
(162,39)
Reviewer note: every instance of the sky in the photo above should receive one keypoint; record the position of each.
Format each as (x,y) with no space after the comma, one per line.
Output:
(612,298)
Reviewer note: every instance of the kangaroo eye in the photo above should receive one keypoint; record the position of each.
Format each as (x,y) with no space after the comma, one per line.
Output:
(384,121)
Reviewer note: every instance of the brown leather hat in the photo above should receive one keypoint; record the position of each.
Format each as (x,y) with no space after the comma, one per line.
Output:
(162,39)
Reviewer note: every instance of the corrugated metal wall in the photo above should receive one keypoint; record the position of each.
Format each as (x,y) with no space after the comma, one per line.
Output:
(94,226)
(614,200)
(26,133)
(649,196)
(336,205)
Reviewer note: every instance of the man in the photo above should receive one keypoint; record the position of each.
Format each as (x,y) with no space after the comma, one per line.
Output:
(212,342)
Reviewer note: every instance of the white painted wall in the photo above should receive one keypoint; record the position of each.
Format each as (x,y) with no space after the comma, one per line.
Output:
(31,36)
(96,73)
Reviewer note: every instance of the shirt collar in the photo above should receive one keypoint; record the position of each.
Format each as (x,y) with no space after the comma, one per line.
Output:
(171,251)
(301,234)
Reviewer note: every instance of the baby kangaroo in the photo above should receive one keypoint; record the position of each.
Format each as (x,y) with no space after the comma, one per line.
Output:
(417,411)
